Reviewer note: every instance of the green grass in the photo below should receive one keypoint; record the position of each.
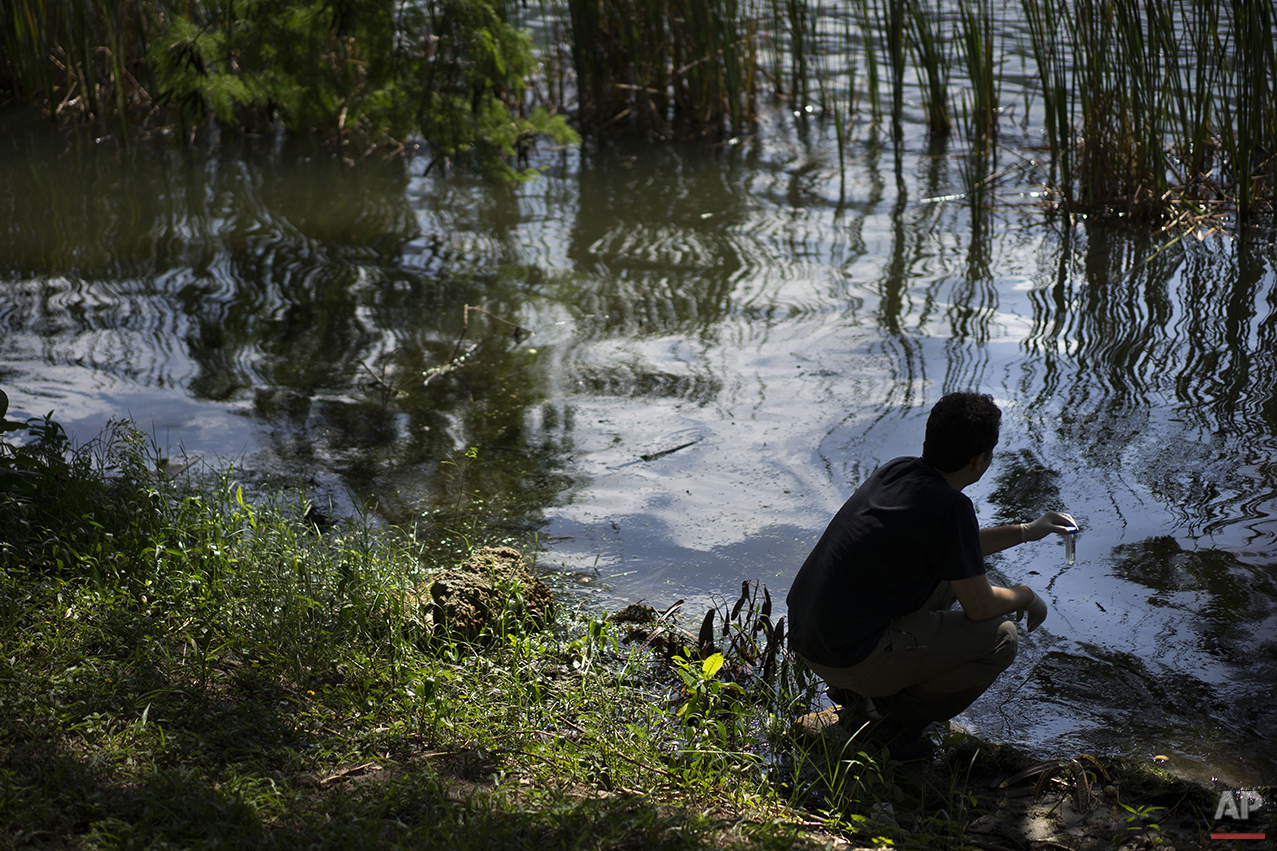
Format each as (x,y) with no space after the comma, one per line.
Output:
(184,666)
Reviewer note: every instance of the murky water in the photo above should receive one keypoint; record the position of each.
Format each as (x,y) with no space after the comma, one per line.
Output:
(674,363)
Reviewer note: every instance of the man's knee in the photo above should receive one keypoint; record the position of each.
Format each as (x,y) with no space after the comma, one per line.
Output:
(1006,643)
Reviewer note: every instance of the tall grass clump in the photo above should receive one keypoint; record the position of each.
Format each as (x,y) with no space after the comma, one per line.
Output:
(867,34)
(980,61)
(1250,141)
(82,59)
(668,66)
(1159,109)
(1163,112)
(932,56)
(798,32)
(1051,60)
(979,106)
(892,22)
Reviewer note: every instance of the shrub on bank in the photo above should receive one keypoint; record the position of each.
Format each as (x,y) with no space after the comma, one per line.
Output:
(356,73)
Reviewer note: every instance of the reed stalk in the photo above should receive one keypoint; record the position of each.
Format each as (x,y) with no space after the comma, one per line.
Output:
(797,19)
(776,49)
(823,74)
(1144,118)
(1052,69)
(1192,80)
(869,40)
(1252,145)
(891,20)
(975,46)
(933,65)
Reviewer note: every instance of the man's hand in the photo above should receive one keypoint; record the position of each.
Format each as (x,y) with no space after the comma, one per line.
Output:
(1037,612)
(1051,521)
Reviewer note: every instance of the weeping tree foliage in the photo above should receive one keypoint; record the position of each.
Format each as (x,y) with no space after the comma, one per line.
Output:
(355,72)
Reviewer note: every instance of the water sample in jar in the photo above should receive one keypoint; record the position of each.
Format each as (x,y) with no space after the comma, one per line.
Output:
(1070,545)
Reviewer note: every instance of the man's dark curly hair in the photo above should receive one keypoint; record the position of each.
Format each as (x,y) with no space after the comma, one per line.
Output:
(961,426)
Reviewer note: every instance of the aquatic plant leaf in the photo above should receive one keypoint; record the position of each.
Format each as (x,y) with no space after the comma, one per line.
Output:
(705,640)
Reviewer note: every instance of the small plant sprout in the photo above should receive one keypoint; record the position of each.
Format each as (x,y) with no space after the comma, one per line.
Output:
(1140,820)
(705,695)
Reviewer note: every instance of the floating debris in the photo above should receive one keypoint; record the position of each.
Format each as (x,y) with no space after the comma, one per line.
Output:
(653,456)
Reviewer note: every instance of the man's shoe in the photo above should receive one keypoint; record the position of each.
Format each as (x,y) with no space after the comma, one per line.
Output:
(854,701)
(902,743)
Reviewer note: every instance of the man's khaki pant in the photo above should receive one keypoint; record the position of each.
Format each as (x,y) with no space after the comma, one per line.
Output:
(931,664)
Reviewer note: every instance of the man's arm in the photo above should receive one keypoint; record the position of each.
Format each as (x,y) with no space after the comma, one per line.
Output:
(995,539)
(982,600)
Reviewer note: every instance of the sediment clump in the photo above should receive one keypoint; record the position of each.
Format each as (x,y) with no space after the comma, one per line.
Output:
(493,584)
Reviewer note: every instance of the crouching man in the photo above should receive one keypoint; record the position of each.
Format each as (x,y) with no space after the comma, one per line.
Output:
(869,610)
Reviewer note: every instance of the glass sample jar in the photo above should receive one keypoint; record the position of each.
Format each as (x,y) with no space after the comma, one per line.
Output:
(1070,545)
